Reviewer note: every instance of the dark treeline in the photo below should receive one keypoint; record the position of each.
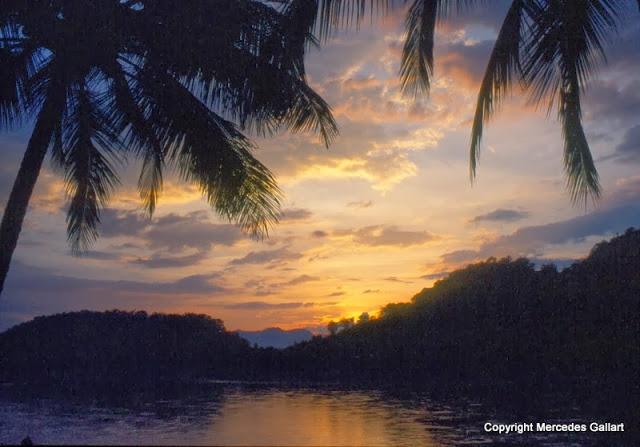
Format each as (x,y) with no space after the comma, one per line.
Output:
(501,320)
(492,322)
(120,347)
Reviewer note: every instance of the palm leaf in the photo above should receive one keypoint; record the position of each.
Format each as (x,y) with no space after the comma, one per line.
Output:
(503,63)
(309,112)
(416,66)
(87,142)
(582,175)
(210,151)
(139,135)
(565,44)
(18,64)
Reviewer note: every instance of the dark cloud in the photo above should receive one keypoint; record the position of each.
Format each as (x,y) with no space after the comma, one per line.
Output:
(623,54)
(360,204)
(469,60)
(488,14)
(380,235)
(432,276)
(262,305)
(100,255)
(396,279)
(319,234)
(619,211)
(293,214)
(157,261)
(628,151)
(115,223)
(529,241)
(501,215)
(336,294)
(371,291)
(301,280)
(172,232)
(194,230)
(458,256)
(608,101)
(267,257)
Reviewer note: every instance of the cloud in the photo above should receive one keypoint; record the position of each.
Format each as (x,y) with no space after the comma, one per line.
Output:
(396,279)
(158,261)
(501,215)
(465,61)
(458,256)
(319,234)
(628,151)
(487,14)
(608,101)
(267,256)
(371,291)
(114,223)
(175,233)
(97,255)
(437,275)
(294,214)
(301,280)
(172,232)
(263,305)
(619,211)
(381,235)
(360,204)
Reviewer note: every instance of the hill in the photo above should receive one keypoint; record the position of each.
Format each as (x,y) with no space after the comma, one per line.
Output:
(117,347)
(494,322)
(497,321)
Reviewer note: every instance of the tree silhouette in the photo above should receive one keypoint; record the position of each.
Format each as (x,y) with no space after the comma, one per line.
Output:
(498,323)
(551,46)
(171,83)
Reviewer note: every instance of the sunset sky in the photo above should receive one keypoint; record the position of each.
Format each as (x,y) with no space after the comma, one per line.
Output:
(384,212)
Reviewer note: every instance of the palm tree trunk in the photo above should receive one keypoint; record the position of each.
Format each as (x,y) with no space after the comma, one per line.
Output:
(23,186)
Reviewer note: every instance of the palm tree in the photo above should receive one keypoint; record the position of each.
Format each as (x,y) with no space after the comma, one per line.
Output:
(551,46)
(173,83)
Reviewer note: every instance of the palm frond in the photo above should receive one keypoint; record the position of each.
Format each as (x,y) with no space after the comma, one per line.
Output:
(586,25)
(256,76)
(87,157)
(503,64)
(300,17)
(18,65)
(582,175)
(565,44)
(343,14)
(310,112)
(139,135)
(416,66)
(210,151)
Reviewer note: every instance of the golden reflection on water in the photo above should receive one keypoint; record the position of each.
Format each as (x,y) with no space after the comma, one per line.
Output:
(328,419)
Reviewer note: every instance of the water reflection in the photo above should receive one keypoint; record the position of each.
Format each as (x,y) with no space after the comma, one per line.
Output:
(242,414)
(317,418)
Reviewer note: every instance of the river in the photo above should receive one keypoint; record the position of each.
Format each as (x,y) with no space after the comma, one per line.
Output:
(254,414)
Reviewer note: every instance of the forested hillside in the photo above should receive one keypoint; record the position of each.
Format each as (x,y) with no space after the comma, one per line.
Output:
(491,322)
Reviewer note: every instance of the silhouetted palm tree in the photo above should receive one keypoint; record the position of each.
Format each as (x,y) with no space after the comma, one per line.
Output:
(171,82)
(552,46)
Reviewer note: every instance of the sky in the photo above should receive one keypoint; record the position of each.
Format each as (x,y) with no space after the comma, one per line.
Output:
(386,211)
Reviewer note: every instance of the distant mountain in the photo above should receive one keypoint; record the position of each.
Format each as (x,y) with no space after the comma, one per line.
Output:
(275,337)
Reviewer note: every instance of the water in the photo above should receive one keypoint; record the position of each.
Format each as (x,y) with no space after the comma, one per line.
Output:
(242,414)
